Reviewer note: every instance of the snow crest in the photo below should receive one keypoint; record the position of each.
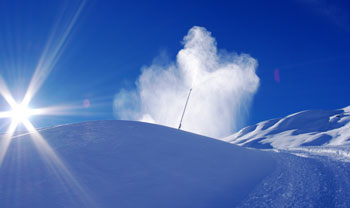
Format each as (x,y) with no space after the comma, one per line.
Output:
(303,129)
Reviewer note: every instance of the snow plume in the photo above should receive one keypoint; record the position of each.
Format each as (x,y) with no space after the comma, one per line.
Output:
(223,86)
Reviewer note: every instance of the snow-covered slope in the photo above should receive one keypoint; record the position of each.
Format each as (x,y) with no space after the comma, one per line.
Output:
(303,129)
(312,156)
(127,164)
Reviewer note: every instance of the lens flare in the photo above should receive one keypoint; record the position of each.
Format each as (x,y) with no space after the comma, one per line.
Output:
(20,113)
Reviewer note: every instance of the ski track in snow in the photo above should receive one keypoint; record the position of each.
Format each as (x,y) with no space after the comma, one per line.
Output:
(313,180)
(312,151)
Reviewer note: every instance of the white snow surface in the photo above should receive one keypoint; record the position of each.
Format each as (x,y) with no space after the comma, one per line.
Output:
(132,164)
(312,155)
(128,164)
(303,129)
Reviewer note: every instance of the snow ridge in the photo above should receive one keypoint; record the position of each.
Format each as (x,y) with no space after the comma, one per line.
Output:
(302,129)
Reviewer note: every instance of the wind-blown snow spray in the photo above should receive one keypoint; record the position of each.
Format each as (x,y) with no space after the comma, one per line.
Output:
(224,84)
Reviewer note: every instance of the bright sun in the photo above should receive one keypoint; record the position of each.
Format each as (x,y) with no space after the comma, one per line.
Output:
(20,113)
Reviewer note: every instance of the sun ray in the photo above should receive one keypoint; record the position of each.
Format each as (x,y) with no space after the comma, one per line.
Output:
(50,56)
(4,91)
(56,165)
(5,114)
(58,110)
(6,140)
(20,112)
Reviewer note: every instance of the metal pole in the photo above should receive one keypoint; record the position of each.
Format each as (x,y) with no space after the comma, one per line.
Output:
(183,113)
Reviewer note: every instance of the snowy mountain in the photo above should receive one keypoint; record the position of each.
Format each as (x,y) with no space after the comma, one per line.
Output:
(132,164)
(127,164)
(303,129)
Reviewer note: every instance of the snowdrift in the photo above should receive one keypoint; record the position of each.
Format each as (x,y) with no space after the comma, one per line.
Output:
(127,164)
(303,129)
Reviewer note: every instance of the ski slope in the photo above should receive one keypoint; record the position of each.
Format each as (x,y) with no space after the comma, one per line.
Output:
(303,180)
(133,164)
(312,155)
(127,164)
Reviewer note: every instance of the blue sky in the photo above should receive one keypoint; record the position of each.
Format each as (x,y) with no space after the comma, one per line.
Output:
(307,41)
